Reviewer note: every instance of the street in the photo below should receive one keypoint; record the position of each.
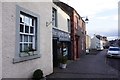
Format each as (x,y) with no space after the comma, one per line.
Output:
(90,66)
(114,62)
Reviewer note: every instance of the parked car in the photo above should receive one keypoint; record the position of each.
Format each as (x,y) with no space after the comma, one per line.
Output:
(113,52)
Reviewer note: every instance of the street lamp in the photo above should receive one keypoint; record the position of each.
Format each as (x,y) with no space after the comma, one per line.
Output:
(86,19)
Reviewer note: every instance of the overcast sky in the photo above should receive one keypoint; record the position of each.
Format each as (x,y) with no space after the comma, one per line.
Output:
(102,14)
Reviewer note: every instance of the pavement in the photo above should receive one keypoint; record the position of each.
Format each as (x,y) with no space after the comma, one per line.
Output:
(88,66)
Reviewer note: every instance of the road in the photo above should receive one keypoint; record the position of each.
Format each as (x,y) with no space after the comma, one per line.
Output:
(90,66)
(114,63)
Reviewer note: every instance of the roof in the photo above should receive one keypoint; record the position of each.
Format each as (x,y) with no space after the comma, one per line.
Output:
(65,7)
(68,9)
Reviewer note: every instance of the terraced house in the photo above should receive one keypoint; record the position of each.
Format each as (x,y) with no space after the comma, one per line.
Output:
(26,40)
(77,29)
(34,34)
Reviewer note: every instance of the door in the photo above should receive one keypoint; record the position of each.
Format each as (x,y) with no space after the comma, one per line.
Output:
(55,58)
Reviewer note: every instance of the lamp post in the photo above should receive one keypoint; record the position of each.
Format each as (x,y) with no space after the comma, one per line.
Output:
(86,19)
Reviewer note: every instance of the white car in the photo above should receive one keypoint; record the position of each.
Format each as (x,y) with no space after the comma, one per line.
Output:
(113,52)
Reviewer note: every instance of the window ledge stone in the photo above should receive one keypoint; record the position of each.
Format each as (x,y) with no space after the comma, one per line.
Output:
(22,59)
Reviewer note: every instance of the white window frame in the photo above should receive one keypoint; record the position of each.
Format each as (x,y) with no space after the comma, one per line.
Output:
(21,56)
(69,25)
(25,36)
(54,17)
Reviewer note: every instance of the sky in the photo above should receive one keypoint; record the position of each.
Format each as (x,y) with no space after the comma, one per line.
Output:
(102,15)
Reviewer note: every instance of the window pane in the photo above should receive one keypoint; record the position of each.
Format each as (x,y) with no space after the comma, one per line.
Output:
(27,20)
(30,46)
(21,28)
(30,39)
(25,38)
(32,22)
(20,47)
(25,47)
(21,38)
(54,17)
(26,29)
(31,30)
(21,19)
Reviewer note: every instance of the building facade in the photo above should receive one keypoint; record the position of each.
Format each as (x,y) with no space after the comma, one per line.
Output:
(26,40)
(78,35)
(105,42)
(88,42)
(77,31)
(61,34)
(96,42)
(0,41)
(33,38)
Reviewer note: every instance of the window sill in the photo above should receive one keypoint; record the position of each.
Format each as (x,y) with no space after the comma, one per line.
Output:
(22,59)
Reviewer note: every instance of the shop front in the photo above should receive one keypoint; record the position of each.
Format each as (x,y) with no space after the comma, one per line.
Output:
(61,45)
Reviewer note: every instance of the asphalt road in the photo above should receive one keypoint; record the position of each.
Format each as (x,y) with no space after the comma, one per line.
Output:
(114,63)
(90,66)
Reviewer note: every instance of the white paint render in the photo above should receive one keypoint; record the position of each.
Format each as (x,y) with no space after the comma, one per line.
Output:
(25,69)
(0,40)
(62,19)
(96,43)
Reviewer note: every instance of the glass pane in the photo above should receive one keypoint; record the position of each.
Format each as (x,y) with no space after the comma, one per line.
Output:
(31,29)
(21,28)
(20,47)
(30,47)
(25,47)
(26,29)
(21,38)
(27,20)
(25,38)
(30,39)
(32,22)
(21,19)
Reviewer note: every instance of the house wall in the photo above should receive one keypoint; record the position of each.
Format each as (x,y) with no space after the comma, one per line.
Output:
(61,19)
(101,44)
(119,20)
(0,41)
(26,0)
(77,37)
(94,43)
(88,42)
(25,69)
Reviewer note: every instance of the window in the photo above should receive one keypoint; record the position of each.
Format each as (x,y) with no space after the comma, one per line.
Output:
(27,32)
(82,44)
(54,17)
(68,24)
(27,27)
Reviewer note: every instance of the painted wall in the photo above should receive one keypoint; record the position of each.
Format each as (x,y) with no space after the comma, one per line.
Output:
(0,40)
(96,43)
(88,42)
(94,40)
(25,69)
(119,20)
(26,0)
(61,19)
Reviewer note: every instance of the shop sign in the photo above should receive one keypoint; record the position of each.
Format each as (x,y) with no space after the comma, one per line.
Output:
(63,36)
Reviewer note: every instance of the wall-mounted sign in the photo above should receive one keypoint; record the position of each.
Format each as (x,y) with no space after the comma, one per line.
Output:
(62,36)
